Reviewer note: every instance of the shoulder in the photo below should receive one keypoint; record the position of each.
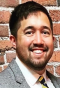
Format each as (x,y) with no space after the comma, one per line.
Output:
(55,80)
(7,78)
(52,76)
(7,73)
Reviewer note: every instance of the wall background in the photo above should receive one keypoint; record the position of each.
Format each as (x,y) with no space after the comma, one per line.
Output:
(7,52)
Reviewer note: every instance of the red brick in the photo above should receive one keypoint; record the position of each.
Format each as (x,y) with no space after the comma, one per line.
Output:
(5,66)
(43,2)
(55,57)
(5,45)
(57,70)
(55,15)
(7,3)
(0,69)
(1,59)
(4,16)
(10,56)
(55,42)
(4,31)
(50,68)
(46,2)
(23,1)
(56,28)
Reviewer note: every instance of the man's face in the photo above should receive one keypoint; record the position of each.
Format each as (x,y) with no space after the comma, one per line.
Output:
(34,43)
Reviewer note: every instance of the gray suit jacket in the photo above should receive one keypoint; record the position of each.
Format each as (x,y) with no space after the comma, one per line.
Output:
(13,78)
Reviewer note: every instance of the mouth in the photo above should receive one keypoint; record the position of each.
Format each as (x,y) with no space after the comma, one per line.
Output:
(38,51)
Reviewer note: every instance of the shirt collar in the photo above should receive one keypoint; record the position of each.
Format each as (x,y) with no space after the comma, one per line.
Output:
(29,74)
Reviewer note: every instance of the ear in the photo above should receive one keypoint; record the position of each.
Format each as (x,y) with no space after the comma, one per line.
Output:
(13,41)
(53,38)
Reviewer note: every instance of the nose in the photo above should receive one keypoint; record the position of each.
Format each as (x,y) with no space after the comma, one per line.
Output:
(38,38)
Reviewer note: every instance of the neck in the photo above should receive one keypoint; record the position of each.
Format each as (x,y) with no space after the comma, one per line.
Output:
(41,71)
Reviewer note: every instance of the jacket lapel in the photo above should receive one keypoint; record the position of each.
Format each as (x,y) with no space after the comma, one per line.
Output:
(21,80)
(54,80)
(18,75)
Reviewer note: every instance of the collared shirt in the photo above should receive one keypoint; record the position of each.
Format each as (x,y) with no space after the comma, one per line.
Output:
(31,77)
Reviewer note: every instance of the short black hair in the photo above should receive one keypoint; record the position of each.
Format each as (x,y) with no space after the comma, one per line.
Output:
(22,11)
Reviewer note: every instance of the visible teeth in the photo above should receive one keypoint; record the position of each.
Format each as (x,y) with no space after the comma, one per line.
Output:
(37,51)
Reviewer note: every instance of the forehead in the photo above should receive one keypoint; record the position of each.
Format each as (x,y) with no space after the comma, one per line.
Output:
(36,19)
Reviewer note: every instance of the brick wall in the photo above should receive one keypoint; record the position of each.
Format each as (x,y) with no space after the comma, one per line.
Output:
(7,52)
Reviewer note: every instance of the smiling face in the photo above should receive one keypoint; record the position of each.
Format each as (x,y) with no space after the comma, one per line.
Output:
(34,43)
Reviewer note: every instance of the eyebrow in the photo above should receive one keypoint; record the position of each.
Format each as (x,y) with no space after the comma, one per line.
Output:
(45,27)
(29,27)
(42,27)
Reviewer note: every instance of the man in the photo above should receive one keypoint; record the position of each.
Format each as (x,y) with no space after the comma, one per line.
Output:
(32,36)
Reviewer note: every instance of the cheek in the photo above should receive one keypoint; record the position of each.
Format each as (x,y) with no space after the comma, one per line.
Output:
(26,41)
(51,45)
(49,42)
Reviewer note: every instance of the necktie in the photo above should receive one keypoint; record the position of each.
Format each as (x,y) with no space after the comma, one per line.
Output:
(42,81)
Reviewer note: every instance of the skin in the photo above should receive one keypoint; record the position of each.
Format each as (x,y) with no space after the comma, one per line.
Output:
(34,42)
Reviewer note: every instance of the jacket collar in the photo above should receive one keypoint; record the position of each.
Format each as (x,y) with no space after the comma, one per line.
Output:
(54,80)
(20,78)
(18,74)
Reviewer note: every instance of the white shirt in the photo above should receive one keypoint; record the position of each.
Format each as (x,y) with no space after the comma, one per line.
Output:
(31,77)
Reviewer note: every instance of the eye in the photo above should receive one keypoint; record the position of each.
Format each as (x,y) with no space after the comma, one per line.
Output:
(29,32)
(46,32)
